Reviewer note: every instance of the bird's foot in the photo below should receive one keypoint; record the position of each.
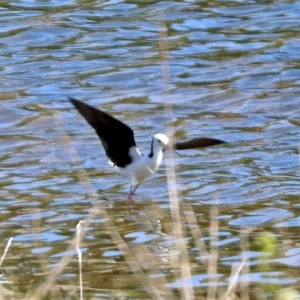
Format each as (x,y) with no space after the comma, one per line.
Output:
(130,200)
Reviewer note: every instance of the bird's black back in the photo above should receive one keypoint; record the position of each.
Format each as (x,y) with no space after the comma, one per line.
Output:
(116,137)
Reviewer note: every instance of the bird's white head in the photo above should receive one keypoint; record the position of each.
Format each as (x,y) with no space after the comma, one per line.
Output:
(158,144)
(160,140)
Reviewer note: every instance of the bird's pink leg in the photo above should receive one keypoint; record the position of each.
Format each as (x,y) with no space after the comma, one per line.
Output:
(130,200)
(132,190)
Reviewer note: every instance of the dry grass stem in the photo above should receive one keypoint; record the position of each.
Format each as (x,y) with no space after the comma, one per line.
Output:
(182,263)
(235,271)
(214,254)
(244,285)
(79,253)
(5,250)
(196,233)
(42,257)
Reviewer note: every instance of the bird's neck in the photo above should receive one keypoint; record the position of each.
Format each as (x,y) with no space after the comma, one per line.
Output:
(155,157)
(154,152)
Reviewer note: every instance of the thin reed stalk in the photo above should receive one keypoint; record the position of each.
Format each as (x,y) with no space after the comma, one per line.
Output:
(8,244)
(244,285)
(235,271)
(79,253)
(214,253)
(182,263)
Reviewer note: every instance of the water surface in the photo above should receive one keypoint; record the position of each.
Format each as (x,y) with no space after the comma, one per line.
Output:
(229,69)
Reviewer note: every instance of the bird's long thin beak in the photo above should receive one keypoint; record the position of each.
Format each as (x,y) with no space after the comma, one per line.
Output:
(170,147)
(175,152)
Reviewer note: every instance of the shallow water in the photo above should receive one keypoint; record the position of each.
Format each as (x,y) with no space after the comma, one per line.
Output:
(229,69)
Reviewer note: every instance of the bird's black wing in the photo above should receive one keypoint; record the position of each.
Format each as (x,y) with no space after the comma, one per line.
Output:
(116,137)
(200,142)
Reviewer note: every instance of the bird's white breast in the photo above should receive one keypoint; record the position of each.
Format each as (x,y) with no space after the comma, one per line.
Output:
(141,166)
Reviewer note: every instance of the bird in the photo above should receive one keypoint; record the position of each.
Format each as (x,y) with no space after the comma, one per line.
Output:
(120,147)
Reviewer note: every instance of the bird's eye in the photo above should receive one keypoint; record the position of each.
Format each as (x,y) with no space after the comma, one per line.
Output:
(159,141)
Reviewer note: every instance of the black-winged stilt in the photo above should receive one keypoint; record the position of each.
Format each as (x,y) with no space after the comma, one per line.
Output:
(118,141)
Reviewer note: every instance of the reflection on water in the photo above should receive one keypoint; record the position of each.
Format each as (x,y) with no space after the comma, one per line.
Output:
(234,75)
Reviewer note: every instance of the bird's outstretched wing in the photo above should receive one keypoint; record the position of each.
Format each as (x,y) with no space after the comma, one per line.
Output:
(116,137)
(195,143)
